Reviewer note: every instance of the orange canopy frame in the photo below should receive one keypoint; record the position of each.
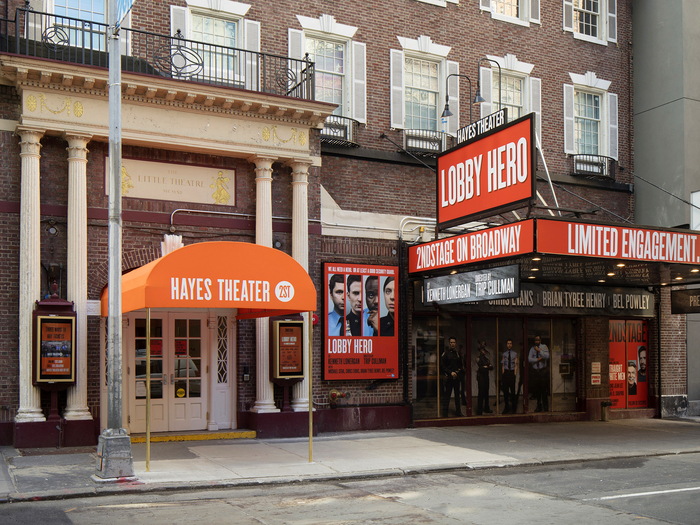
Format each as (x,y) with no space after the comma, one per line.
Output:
(259,281)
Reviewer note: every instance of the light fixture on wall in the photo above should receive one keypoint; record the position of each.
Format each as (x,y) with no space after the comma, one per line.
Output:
(478,99)
(277,244)
(446,112)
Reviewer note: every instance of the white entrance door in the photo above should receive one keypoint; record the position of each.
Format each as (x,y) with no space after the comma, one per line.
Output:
(179,375)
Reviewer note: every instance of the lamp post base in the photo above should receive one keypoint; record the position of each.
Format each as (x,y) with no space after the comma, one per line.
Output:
(114,455)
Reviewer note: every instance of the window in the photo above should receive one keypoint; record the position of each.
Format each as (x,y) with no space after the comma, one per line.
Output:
(511,94)
(590,117)
(421,95)
(520,12)
(329,58)
(592,20)
(418,73)
(81,34)
(340,65)
(586,123)
(520,92)
(220,30)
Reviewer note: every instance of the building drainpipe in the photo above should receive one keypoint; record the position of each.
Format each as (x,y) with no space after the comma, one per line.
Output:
(658,342)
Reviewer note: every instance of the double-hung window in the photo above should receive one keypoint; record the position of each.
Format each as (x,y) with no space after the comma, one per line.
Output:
(421,93)
(592,20)
(73,19)
(519,92)
(590,117)
(521,12)
(225,43)
(339,68)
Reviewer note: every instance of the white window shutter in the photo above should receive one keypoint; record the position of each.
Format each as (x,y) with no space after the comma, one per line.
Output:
(568,118)
(536,105)
(359,82)
(178,20)
(612,125)
(251,31)
(296,44)
(398,106)
(612,20)
(568,15)
(486,85)
(535,11)
(453,92)
(485,5)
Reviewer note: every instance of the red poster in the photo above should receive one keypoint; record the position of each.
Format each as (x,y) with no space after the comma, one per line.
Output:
(180,347)
(361,322)
(637,364)
(490,174)
(618,366)
(291,350)
(156,347)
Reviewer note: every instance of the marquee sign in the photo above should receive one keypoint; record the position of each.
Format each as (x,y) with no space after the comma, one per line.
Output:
(468,287)
(490,174)
(492,243)
(617,242)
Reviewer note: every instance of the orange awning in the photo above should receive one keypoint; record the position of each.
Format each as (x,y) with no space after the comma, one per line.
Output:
(259,281)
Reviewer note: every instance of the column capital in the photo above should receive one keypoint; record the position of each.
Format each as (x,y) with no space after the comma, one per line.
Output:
(77,140)
(262,161)
(29,142)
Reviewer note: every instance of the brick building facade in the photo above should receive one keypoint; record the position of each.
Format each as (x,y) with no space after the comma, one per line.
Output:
(365,179)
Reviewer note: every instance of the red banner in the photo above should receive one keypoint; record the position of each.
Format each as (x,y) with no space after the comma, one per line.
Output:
(628,364)
(487,176)
(492,243)
(617,242)
(362,328)
(618,365)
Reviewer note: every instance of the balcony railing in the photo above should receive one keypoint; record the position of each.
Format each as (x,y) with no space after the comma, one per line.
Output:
(425,142)
(340,131)
(595,166)
(43,35)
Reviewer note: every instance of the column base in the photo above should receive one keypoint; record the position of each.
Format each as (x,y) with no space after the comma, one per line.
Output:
(29,415)
(77,413)
(265,407)
(300,405)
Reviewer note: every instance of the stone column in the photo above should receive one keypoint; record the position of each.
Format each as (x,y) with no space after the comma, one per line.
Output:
(264,390)
(300,252)
(76,407)
(29,271)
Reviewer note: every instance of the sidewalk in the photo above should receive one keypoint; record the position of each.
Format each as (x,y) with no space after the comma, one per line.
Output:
(229,463)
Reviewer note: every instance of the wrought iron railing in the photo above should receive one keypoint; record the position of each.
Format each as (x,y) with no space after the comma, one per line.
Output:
(596,166)
(43,35)
(424,141)
(340,131)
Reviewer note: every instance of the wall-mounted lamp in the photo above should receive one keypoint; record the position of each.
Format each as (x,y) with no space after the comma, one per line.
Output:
(277,244)
(447,112)
(478,99)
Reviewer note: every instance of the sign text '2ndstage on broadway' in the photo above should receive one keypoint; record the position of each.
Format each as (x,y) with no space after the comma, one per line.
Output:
(492,243)
(489,175)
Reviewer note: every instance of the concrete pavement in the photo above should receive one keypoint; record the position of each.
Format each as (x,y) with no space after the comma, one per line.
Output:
(189,465)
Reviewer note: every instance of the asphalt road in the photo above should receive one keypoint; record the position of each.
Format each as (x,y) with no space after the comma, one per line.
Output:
(642,490)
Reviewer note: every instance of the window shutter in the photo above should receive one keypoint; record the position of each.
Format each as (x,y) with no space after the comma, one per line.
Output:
(359,82)
(568,15)
(536,105)
(453,91)
(397,92)
(612,125)
(486,90)
(485,5)
(568,118)
(178,20)
(296,44)
(535,11)
(251,30)
(612,20)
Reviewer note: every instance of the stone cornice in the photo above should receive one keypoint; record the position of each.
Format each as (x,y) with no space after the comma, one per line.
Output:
(143,89)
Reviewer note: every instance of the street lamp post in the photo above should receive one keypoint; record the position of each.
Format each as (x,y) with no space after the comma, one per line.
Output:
(447,112)
(478,99)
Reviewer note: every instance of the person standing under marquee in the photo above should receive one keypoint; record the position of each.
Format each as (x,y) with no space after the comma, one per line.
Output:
(509,366)
(336,317)
(538,359)
(483,373)
(451,368)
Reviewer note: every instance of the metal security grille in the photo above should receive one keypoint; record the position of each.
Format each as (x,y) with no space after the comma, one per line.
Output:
(222,350)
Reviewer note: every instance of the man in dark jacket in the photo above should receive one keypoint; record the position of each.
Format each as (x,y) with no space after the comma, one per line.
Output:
(452,370)
(483,372)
